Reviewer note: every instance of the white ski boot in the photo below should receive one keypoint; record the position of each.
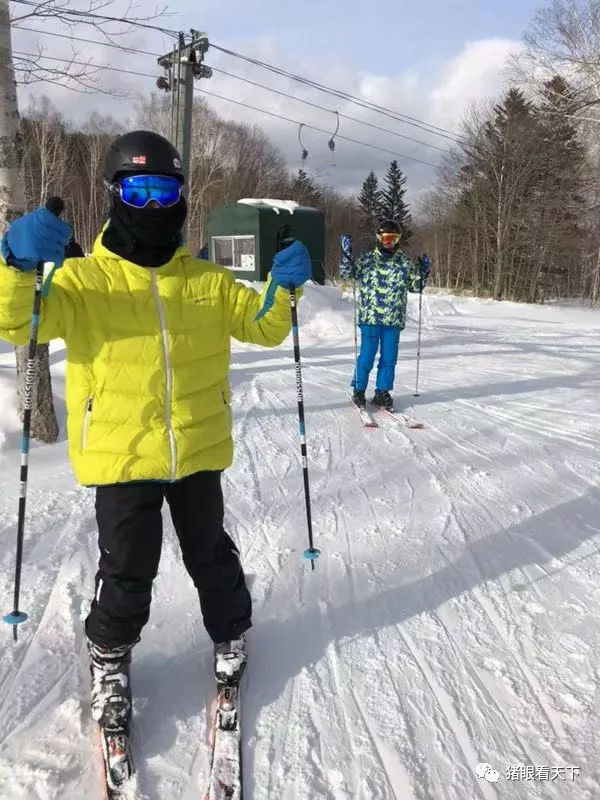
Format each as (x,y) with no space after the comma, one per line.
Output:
(111,686)
(230,660)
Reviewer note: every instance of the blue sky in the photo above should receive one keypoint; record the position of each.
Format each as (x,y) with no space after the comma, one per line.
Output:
(431,59)
(381,35)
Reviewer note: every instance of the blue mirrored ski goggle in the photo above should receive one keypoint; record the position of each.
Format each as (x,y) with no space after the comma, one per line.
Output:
(139,190)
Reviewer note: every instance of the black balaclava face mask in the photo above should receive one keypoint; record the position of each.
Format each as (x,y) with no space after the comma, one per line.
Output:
(146,236)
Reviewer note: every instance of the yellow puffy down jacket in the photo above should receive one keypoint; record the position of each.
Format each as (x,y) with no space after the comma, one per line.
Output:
(148,353)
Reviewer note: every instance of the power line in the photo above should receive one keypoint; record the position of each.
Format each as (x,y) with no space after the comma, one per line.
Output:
(230,100)
(398,116)
(36,56)
(136,51)
(123,48)
(329,110)
(315,128)
(339,93)
(62,12)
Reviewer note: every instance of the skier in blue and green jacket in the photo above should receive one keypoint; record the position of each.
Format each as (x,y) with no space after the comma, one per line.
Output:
(385,275)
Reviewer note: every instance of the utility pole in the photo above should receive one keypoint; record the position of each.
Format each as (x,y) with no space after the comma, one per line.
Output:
(182,66)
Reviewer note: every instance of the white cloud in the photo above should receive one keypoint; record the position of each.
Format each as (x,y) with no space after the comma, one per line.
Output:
(476,73)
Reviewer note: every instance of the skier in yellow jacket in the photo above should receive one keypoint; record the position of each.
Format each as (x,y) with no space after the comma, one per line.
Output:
(147,328)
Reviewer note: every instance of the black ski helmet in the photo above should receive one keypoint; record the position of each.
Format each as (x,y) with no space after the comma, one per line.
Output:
(56,205)
(139,152)
(388,226)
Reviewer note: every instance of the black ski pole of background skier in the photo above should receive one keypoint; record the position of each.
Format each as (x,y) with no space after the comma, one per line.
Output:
(419,335)
(17,617)
(346,247)
(284,240)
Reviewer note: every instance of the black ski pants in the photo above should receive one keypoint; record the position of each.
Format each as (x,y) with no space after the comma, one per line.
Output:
(130,538)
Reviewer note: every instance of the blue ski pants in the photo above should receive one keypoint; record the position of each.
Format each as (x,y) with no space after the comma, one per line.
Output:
(372,338)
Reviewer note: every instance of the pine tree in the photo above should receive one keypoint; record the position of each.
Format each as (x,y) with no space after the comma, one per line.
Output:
(370,201)
(393,204)
(304,190)
(560,197)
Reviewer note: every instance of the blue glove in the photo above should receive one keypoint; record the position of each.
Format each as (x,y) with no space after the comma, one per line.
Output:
(38,236)
(291,267)
(346,244)
(424,263)
(346,260)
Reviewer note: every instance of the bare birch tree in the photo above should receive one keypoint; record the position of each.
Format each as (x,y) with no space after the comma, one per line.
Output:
(44,425)
(564,39)
(75,71)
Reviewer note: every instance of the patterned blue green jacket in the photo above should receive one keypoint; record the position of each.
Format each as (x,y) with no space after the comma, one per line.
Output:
(384,281)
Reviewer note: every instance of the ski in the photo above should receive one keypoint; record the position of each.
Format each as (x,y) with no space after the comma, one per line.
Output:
(225,781)
(401,418)
(119,781)
(366,417)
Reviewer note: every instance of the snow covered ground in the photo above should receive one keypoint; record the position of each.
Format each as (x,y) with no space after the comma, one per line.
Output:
(452,620)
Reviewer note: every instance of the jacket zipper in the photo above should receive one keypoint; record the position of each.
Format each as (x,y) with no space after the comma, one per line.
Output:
(86,421)
(169,380)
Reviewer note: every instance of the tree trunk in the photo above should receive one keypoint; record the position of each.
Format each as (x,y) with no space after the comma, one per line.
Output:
(43,419)
(596,283)
(44,425)
(499,254)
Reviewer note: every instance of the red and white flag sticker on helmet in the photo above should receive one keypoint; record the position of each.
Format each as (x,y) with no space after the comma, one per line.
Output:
(139,160)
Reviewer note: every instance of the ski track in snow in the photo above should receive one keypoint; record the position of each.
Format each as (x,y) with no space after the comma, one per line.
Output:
(451,620)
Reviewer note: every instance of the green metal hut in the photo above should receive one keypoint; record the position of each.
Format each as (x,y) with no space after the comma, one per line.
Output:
(243,236)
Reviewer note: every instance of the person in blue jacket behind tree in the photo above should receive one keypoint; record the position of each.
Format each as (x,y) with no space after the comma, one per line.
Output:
(385,275)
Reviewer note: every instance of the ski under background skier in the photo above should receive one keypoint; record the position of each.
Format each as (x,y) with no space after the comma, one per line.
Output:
(147,328)
(385,275)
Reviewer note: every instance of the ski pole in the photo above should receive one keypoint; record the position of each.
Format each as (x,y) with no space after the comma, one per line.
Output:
(284,240)
(355,332)
(346,245)
(311,553)
(17,616)
(419,336)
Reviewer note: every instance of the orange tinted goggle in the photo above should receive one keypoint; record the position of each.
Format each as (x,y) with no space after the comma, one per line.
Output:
(388,239)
